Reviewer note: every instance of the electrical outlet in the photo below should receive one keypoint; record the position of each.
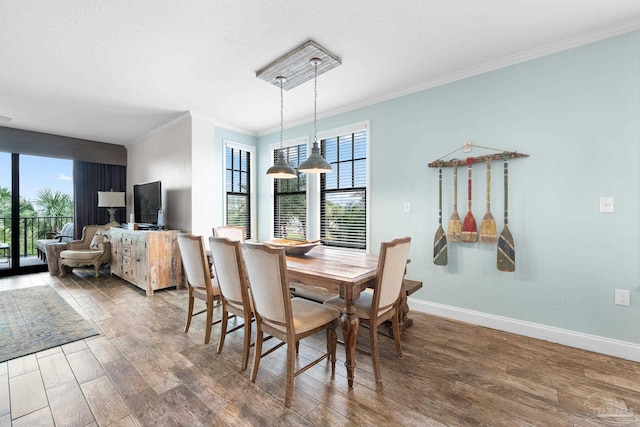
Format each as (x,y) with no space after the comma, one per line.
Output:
(623,297)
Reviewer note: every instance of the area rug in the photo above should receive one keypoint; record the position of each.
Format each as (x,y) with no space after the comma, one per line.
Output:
(35,319)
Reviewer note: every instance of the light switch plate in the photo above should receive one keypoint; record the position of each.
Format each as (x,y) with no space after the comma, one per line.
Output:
(606,204)
(407,207)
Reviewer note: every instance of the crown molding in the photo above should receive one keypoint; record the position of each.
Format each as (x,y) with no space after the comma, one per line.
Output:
(507,61)
(223,125)
(147,135)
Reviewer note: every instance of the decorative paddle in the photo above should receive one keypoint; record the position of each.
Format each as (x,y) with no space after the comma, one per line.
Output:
(506,247)
(488,232)
(469,226)
(454,232)
(440,240)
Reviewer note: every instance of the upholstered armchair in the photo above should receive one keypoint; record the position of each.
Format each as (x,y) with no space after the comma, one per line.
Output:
(93,249)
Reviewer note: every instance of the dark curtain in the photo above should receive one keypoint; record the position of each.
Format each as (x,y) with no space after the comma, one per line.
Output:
(88,179)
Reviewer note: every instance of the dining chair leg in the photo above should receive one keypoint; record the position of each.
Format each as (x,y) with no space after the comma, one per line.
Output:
(190,311)
(291,364)
(223,328)
(395,324)
(257,351)
(247,344)
(207,334)
(332,342)
(297,347)
(373,338)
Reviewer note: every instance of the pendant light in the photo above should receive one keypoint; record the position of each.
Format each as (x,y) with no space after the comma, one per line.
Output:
(315,163)
(281,168)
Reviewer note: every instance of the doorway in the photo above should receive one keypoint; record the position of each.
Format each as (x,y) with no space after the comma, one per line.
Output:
(36,200)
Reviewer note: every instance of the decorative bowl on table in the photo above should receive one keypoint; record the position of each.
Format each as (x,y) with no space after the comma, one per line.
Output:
(293,247)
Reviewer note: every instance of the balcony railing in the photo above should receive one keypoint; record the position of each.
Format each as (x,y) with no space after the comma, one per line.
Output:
(31,229)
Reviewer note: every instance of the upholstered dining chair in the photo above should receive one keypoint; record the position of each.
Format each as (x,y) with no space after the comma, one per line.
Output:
(231,232)
(383,301)
(285,318)
(228,267)
(196,268)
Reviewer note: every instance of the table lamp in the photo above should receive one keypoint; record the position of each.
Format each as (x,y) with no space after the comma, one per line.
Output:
(111,200)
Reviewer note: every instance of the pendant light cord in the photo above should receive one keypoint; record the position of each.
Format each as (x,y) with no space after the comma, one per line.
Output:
(315,102)
(281,115)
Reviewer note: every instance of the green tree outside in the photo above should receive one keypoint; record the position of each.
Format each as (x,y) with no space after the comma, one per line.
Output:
(55,206)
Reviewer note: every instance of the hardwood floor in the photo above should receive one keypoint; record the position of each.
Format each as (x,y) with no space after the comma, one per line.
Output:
(144,370)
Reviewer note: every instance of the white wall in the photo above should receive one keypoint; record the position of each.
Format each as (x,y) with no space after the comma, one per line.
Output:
(207,177)
(165,155)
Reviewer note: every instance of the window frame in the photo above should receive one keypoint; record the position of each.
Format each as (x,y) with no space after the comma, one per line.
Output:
(303,140)
(227,143)
(315,184)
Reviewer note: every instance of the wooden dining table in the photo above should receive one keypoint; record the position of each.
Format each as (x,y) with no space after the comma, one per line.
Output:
(345,272)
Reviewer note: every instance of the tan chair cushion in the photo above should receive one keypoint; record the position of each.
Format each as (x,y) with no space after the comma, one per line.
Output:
(308,315)
(362,304)
(84,254)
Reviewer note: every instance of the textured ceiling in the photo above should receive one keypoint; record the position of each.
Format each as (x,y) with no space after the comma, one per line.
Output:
(115,70)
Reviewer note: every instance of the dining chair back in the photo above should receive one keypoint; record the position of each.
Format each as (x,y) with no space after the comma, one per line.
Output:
(231,232)
(270,294)
(196,268)
(392,265)
(285,318)
(383,301)
(228,267)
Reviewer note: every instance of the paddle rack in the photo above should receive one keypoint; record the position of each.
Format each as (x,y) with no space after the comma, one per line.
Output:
(468,231)
(478,159)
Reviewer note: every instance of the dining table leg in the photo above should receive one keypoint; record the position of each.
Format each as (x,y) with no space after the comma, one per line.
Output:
(350,323)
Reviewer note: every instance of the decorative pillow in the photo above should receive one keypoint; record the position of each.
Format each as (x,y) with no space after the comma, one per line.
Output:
(99,238)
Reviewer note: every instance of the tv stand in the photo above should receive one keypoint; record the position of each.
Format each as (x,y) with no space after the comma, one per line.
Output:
(148,259)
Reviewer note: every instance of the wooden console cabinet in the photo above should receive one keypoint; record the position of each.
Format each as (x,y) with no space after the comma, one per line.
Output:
(148,259)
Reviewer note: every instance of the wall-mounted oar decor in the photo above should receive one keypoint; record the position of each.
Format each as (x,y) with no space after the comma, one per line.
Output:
(454,231)
(506,246)
(440,240)
(488,232)
(468,230)
(469,226)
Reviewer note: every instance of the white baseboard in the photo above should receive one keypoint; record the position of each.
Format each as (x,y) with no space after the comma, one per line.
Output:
(610,347)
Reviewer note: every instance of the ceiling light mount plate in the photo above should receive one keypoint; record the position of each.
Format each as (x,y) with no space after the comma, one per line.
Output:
(294,65)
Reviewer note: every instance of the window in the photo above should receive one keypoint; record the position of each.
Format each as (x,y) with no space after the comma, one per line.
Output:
(343,192)
(238,162)
(290,198)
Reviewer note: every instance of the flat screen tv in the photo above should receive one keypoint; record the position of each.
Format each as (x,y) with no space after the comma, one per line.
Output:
(147,201)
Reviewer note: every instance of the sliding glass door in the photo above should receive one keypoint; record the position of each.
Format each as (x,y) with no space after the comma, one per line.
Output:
(36,200)
(5,211)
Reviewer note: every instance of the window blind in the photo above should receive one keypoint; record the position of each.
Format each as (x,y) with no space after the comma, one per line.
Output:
(343,192)
(238,188)
(290,198)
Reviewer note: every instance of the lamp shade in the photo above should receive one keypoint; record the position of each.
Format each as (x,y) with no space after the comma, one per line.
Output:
(281,168)
(111,199)
(315,163)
